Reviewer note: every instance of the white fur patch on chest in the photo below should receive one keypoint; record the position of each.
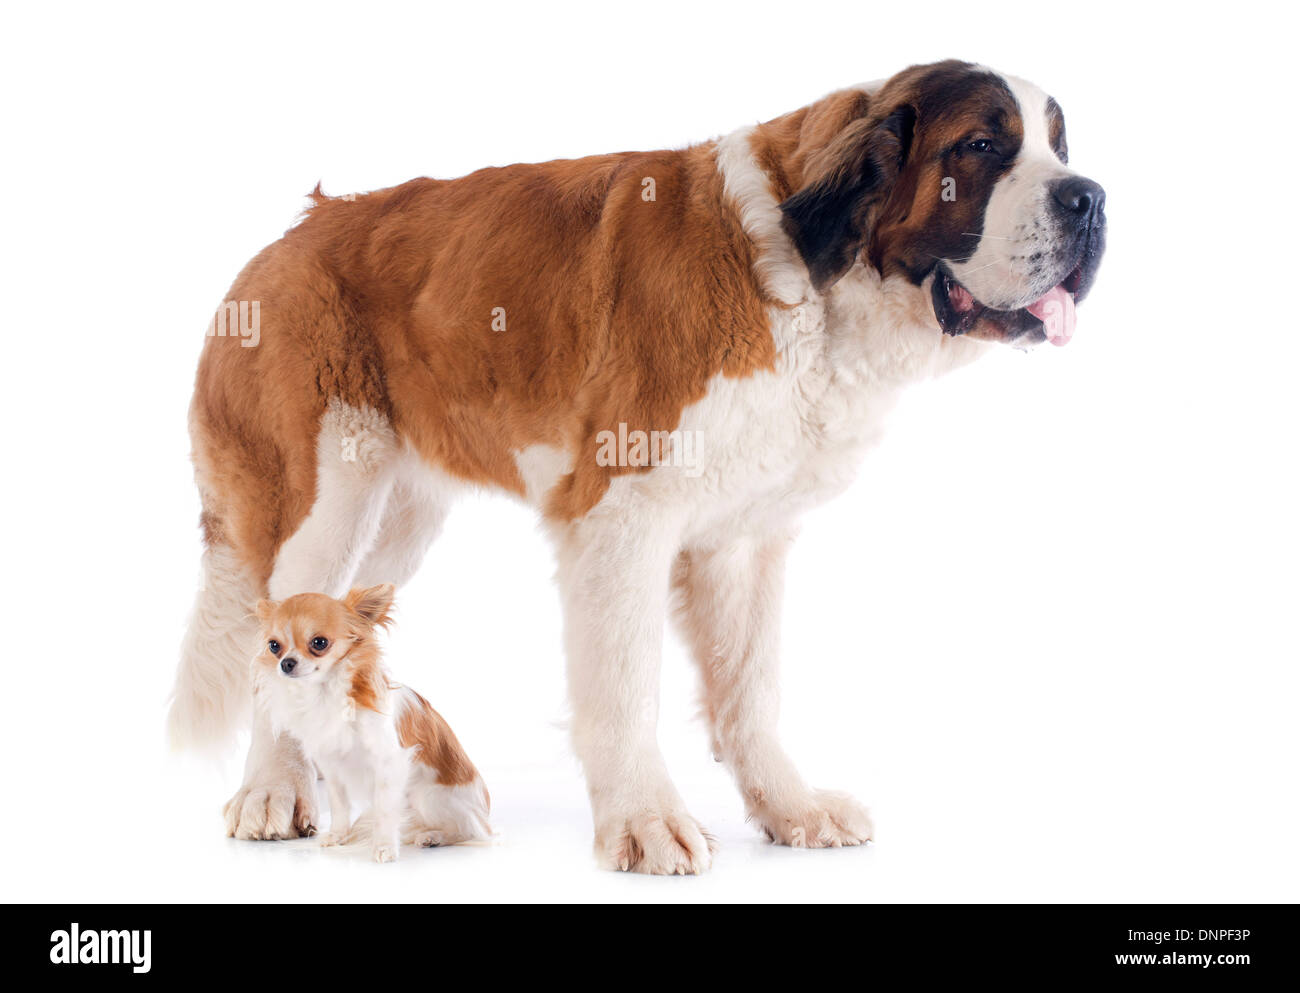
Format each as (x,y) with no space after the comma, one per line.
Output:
(322,715)
(541,467)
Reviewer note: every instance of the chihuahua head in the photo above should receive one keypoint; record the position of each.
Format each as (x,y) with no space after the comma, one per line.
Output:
(308,635)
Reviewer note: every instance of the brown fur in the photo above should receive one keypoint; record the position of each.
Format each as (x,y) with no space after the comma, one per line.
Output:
(784,146)
(952,103)
(421,727)
(370,684)
(1056,129)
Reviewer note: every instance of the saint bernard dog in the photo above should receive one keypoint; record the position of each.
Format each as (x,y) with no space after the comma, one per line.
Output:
(766,295)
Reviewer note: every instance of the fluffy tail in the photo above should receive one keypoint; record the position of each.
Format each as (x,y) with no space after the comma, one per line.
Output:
(212,700)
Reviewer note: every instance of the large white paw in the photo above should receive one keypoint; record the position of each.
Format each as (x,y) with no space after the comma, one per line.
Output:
(271,811)
(817,819)
(658,842)
(278,798)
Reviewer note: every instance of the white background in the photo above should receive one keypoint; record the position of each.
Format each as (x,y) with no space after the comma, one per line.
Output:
(1049,637)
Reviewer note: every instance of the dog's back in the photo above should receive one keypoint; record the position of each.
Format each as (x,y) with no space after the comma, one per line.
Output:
(447,800)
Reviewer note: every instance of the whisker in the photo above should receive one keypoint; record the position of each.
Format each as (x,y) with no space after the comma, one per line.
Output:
(983,267)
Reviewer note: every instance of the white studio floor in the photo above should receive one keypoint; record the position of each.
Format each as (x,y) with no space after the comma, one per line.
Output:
(931,848)
(149,830)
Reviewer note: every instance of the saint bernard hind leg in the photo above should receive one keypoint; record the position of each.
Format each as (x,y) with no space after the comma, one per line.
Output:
(414,514)
(728,606)
(614,569)
(356,461)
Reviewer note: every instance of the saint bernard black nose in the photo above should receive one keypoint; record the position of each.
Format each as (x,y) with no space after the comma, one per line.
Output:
(1080,199)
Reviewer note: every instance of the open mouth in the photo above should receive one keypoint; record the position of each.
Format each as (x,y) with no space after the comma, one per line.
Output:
(1051,315)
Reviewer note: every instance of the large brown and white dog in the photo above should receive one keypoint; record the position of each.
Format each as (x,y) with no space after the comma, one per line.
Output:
(670,354)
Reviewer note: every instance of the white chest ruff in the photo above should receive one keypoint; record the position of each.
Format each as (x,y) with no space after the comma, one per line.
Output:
(769,446)
(345,742)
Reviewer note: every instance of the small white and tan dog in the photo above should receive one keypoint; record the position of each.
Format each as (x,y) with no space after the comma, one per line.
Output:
(321,677)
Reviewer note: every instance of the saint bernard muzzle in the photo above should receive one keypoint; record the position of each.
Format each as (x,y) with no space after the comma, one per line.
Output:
(958,180)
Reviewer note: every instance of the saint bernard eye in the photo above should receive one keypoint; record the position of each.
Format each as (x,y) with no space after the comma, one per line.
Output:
(274,646)
(319,644)
(979,145)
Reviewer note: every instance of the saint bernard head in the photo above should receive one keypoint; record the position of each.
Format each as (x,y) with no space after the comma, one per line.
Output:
(955,178)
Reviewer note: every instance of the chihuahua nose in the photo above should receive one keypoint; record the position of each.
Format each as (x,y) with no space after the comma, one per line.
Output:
(288,665)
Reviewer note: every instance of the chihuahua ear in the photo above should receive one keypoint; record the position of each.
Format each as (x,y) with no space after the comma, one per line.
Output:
(372,604)
(831,217)
(265,608)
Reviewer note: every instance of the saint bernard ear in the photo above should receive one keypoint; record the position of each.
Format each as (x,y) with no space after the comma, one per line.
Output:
(829,218)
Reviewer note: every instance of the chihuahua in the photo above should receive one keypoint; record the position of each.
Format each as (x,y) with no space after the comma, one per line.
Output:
(321,677)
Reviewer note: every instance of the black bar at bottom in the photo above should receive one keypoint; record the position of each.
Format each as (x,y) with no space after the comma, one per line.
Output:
(266,944)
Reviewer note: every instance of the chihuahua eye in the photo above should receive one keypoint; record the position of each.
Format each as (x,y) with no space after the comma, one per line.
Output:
(319,645)
(274,646)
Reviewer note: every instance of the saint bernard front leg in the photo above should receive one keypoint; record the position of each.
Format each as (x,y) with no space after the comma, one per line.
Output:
(614,570)
(729,608)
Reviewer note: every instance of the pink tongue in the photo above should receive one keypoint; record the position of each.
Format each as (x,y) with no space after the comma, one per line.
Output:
(1055,309)
(960,298)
